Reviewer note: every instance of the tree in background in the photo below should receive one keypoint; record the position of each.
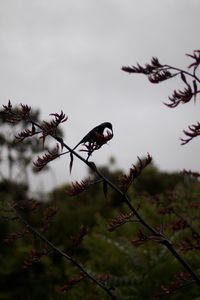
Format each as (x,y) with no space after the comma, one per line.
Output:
(16,157)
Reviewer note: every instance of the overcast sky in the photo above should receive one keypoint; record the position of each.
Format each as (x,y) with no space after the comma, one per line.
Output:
(67,54)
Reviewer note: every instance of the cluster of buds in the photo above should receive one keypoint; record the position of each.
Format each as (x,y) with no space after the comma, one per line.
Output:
(34,257)
(43,160)
(180,96)
(69,284)
(143,238)
(78,187)
(120,220)
(15,116)
(177,225)
(77,239)
(49,213)
(177,283)
(196,59)
(191,243)
(155,71)
(26,133)
(135,171)
(192,132)
(50,128)
(11,238)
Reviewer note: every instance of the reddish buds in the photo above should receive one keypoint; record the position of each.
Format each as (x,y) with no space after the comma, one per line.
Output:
(42,161)
(78,187)
(135,171)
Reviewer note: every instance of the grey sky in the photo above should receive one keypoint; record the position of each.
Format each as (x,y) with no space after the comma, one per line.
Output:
(67,54)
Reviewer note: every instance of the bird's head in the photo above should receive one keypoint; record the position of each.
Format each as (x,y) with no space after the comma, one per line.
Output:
(107,125)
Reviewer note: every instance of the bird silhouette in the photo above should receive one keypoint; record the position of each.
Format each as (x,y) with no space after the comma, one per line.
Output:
(91,136)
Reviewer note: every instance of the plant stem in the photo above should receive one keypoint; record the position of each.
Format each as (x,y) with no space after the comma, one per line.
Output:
(71,259)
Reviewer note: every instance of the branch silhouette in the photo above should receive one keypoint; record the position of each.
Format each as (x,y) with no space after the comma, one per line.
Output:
(157,73)
(154,234)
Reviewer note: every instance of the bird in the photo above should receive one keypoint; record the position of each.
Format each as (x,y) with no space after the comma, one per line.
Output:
(91,136)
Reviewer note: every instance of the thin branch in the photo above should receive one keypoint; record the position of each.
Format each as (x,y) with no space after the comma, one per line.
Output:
(183,71)
(126,200)
(68,257)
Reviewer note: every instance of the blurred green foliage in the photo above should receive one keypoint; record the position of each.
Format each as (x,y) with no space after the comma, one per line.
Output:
(133,272)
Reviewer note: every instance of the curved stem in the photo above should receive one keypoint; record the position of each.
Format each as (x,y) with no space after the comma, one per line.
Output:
(126,200)
(183,71)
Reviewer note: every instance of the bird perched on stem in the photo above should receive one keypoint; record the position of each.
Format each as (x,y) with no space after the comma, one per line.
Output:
(95,138)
